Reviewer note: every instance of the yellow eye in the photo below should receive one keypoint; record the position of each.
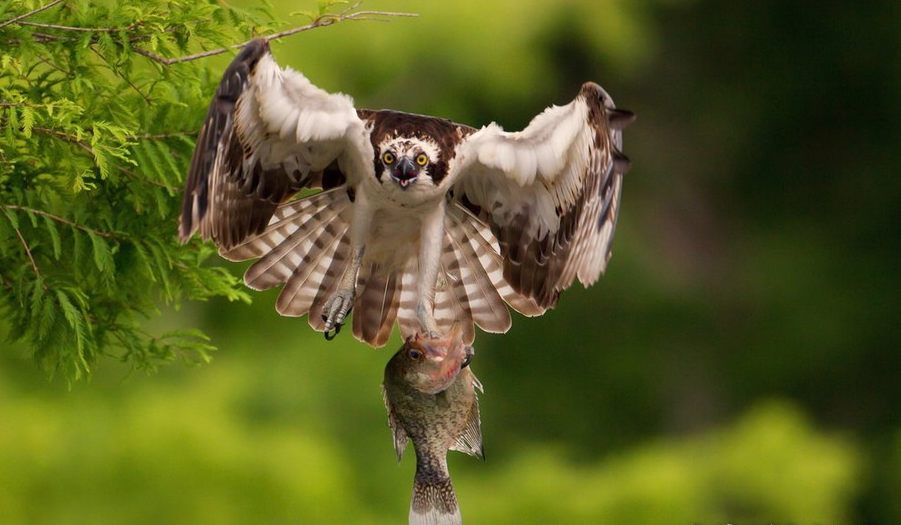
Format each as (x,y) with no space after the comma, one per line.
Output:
(421,159)
(388,158)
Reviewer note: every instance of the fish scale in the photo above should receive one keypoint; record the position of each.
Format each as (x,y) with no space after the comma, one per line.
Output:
(432,401)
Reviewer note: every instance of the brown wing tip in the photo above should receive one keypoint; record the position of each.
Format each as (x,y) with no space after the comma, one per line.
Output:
(255,48)
(617,118)
(593,90)
(621,163)
(184,231)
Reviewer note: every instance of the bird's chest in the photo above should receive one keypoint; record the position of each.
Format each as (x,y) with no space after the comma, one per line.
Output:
(394,237)
(396,227)
(395,233)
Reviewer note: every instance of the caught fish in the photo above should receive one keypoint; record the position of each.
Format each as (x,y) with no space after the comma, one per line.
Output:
(431,397)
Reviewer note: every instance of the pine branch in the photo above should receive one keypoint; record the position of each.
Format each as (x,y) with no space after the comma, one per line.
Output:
(28,14)
(322,21)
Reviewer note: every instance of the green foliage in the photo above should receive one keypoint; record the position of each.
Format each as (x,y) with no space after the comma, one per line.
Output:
(96,139)
(768,467)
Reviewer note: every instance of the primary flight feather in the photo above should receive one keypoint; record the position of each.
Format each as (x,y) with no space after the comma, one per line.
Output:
(420,220)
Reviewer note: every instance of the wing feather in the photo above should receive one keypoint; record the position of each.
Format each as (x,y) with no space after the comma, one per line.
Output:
(487,306)
(269,132)
(549,193)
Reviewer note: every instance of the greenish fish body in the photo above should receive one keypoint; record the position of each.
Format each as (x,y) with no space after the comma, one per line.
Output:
(431,397)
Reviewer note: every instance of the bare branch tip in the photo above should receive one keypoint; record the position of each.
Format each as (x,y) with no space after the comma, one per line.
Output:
(34,265)
(33,12)
(322,21)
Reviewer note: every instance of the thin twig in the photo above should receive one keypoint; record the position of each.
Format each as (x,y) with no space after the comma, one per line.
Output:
(57,218)
(65,136)
(25,104)
(48,63)
(46,37)
(146,180)
(43,38)
(325,20)
(83,29)
(123,77)
(160,136)
(34,265)
(30,13)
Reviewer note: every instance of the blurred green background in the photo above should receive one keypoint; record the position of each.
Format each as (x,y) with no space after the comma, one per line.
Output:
(737,364)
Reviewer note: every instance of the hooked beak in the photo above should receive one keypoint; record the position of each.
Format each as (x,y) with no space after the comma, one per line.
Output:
(470,351)
(404,172)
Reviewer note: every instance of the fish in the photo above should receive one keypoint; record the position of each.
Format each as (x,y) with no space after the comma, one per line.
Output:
(431,396)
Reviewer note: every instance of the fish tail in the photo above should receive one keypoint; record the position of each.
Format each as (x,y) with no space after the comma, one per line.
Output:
(434,501)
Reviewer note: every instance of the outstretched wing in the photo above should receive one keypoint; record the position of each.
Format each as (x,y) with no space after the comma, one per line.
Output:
(550,193)
(268,133)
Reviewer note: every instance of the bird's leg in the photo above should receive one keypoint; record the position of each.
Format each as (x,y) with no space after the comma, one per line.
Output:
(339,305)
(431,242)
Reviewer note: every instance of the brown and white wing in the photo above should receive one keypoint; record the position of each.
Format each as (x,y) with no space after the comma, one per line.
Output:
(549,193)
(268,133)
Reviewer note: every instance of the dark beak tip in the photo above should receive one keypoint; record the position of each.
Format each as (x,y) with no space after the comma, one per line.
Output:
(405,170)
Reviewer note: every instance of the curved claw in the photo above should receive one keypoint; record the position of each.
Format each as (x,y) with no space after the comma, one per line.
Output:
(336,311)
(467,358)
(333,333)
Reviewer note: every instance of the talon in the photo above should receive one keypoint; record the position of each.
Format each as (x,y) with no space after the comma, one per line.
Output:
(470,352)
(341,316)
(335,312)
(331,334)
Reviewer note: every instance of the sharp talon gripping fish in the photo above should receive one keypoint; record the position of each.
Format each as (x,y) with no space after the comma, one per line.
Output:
(431,397)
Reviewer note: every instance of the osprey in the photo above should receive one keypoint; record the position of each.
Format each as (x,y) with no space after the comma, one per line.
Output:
(419,219)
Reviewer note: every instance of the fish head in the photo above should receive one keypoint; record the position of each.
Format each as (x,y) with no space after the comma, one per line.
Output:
(431,365)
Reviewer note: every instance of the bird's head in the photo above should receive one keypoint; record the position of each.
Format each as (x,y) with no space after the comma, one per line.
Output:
(407,160)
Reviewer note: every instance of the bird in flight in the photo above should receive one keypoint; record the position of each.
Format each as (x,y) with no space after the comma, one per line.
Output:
(417,220)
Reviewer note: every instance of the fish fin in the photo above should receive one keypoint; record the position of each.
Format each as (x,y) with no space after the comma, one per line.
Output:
(397,431)
(470,439)
(434,501)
